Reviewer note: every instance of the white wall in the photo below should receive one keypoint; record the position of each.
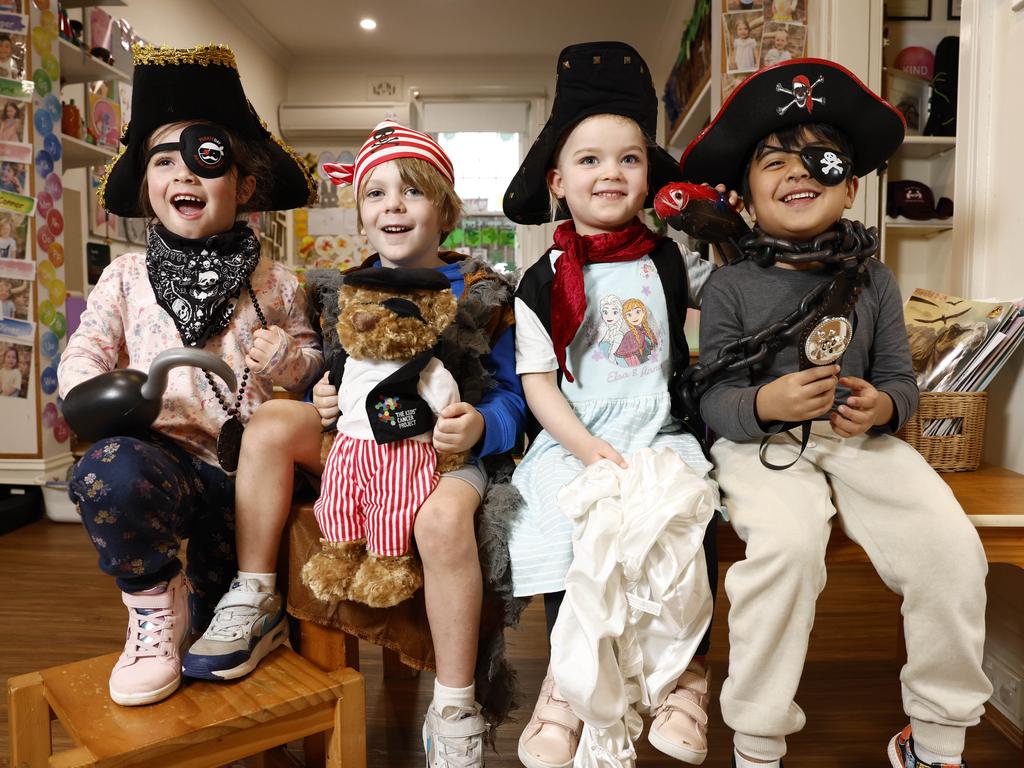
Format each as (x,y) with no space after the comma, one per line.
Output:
(990,113)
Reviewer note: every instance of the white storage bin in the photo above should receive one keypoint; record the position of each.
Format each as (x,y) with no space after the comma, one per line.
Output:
(58,506)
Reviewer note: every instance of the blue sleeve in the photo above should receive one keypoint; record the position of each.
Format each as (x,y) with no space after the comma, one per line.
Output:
(504,407)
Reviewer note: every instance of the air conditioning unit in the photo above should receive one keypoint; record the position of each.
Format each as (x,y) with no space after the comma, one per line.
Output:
(330,122)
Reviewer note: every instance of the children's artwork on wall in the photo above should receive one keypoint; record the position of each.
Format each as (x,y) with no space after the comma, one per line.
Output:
(782,42)
(101,223)
(760,34)
(13,115)
(742,33)
(13,234)
(15,368)
(12,55)
(327,236)
(787,11)
(13,177)
(15,297)
(103,116)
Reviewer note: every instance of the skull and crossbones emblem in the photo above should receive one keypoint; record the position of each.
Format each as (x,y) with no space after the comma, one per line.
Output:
(802,93)
(830,162)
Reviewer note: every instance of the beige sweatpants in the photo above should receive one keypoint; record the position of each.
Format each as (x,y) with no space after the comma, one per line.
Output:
(891,503)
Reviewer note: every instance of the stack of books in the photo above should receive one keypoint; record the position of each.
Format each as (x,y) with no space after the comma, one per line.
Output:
(959,345)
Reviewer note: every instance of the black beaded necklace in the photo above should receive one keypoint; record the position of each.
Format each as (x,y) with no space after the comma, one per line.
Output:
(229,441)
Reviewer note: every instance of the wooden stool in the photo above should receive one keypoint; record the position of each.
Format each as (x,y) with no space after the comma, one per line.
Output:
(202,724)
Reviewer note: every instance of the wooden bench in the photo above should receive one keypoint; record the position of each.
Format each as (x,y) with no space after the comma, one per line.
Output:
(992,497)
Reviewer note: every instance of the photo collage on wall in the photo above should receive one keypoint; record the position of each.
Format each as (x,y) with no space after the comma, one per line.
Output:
(760,33)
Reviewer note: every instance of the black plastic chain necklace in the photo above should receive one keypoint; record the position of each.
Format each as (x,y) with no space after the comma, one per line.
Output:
(229,441)
(848,245)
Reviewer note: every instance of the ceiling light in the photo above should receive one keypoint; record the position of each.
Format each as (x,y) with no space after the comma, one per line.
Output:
(368,24)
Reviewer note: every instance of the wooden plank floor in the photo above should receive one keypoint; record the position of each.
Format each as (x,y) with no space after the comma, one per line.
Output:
(57,607)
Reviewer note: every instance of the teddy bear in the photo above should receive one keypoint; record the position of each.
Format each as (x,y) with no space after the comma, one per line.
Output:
(382,464)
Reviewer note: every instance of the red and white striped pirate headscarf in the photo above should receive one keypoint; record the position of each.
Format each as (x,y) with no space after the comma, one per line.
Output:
(390,141)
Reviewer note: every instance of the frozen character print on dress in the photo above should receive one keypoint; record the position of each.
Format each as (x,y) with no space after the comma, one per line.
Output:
(613,328)
(640,341)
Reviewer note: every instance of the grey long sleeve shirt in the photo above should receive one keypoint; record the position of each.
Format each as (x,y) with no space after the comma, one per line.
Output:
(743,298)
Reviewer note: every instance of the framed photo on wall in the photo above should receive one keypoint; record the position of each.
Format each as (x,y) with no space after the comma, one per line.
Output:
(910,10)
(953,9)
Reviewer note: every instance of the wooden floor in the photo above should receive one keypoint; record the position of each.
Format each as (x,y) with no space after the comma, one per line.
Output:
(57,607)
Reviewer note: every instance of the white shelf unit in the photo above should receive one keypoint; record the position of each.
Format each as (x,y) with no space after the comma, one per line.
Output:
(91,3)
(77,65)
(693,120)
(81,154)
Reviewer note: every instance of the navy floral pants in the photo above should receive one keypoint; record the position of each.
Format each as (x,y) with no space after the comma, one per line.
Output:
(140,498)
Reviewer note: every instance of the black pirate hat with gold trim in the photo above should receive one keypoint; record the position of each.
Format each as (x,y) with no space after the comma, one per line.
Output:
(784,96)
(178,84)
(606,78)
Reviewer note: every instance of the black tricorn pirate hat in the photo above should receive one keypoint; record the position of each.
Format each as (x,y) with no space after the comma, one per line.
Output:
(178,84)
(786,95)
(391,279)
(605,78)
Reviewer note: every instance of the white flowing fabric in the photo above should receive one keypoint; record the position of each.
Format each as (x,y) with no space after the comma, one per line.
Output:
(637,599)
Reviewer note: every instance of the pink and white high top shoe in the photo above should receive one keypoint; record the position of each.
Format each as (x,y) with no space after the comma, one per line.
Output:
(149,669)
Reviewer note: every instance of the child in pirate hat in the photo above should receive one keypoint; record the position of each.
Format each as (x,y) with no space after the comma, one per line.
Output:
(796,137)
(195,155)
(599,338)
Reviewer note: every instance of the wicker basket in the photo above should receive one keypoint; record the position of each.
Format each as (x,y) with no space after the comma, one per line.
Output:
(953,453)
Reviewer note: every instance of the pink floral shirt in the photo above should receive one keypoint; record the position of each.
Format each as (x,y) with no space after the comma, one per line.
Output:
(124,327)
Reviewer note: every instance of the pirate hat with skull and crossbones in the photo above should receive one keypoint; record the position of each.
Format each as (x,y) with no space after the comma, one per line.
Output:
(786,95)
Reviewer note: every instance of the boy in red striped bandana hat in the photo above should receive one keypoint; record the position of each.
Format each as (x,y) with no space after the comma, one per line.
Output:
(407,205)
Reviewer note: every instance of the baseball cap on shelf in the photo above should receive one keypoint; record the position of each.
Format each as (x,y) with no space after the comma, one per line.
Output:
(914,200)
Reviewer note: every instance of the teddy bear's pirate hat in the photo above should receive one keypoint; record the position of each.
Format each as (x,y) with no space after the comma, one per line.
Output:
(178,84)
(784,96)
(606,78)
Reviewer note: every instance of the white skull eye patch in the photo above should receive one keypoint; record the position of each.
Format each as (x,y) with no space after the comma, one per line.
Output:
(826,165)
(205,149)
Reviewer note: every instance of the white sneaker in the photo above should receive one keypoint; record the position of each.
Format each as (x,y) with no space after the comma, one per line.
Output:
(455,740)
(149,668)
(247,625)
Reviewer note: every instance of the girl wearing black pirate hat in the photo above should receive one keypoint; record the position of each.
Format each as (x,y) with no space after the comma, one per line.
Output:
(194,155)
(832,369)
(599,337)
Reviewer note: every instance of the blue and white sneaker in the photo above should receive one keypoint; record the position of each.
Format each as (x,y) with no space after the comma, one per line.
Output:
(902,755)
(247,625)
(455,740)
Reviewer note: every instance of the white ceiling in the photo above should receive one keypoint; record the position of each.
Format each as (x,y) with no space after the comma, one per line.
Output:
(300,31)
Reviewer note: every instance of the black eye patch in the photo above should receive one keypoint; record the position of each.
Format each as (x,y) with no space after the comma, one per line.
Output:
(402,308)
(826,165)
(205,150)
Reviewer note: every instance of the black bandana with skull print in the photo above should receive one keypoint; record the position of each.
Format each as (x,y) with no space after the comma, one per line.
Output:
(198,282)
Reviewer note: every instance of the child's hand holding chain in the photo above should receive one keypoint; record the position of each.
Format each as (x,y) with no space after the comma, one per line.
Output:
(865,408)
(459,427)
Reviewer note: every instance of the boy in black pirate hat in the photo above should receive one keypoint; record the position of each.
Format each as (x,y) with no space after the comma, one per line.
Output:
(834,375)
(195,154)
(599,338)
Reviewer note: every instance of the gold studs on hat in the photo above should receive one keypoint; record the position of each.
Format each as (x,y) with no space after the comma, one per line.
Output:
(627,59)
(566,64)
(597,59)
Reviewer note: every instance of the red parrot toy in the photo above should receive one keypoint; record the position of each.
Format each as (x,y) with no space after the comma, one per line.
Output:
(702,213)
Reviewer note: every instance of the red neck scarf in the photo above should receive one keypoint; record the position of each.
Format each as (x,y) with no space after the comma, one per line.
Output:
(568,297)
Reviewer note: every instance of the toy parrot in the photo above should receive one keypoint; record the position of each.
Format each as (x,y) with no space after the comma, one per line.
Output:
(702,213)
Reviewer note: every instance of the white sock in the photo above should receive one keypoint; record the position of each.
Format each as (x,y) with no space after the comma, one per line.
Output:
(267,581)
(925,755)
(742,762)
(456,698)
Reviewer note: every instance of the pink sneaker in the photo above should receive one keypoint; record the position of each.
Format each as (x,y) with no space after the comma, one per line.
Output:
(680,725)
(553,733)
(149,669)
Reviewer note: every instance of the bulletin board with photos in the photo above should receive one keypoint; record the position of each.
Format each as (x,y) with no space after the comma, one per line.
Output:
(760,33)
